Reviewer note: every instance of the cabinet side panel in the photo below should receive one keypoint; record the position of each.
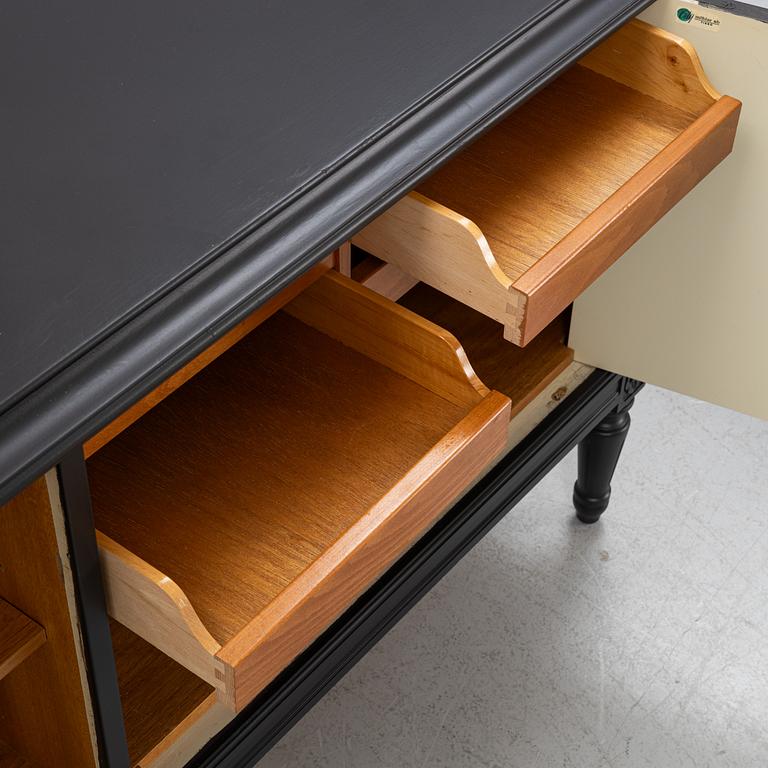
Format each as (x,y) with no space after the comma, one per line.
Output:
(44,705)
(685,308)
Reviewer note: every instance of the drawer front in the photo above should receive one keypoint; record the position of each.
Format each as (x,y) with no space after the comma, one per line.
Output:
(246,511)
(526,218)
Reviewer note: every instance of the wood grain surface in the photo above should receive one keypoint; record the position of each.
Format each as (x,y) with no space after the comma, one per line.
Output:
(45,715)
(373,542)
(520,373)
(148,601)
(539,173)
(404,342)
(218,347)
(442,247)
(256,484)
(158,695)
(254,469)
(525,218)
(657,63)
(240,481)
(591,247)
(481,221)
(19,637)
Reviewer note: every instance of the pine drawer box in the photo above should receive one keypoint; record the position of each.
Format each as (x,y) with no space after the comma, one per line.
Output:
(527,217)
(226,541)
(250,506)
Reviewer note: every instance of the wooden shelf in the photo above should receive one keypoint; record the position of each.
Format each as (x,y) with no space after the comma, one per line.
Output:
(19,637)
(523,220)
(246,511)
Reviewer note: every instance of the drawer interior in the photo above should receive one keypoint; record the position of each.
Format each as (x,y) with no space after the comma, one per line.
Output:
(297,465)
(533,178)
(526,217)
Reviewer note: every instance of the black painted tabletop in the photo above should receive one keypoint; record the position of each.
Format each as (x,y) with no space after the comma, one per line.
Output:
(172,164)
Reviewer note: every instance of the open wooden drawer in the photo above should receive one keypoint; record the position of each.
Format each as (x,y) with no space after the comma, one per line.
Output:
(170,712)
(246,511)
(523,220)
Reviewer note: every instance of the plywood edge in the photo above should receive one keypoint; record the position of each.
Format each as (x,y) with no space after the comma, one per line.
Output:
(440,247)
(189,736)
(311,602)
(60,530)
(154,607)
(572,265)
(548,398)
(654,62)
(545,383)
(20,636)
(526,418)
(392,335)
(207,356)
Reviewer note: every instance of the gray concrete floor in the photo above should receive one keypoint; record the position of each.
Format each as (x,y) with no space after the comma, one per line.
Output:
(639,641)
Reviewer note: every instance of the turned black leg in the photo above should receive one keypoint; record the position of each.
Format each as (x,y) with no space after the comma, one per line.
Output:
(598,454)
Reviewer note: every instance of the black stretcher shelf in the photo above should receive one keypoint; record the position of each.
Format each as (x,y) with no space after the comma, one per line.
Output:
(168,167)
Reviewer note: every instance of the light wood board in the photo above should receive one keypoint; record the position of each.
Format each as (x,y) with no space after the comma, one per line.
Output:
(524,219)
(162,703)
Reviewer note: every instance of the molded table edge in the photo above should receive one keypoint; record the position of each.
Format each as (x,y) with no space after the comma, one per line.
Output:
(104,381)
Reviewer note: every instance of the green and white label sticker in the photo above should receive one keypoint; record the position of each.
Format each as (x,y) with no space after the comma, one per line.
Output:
(696,16)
